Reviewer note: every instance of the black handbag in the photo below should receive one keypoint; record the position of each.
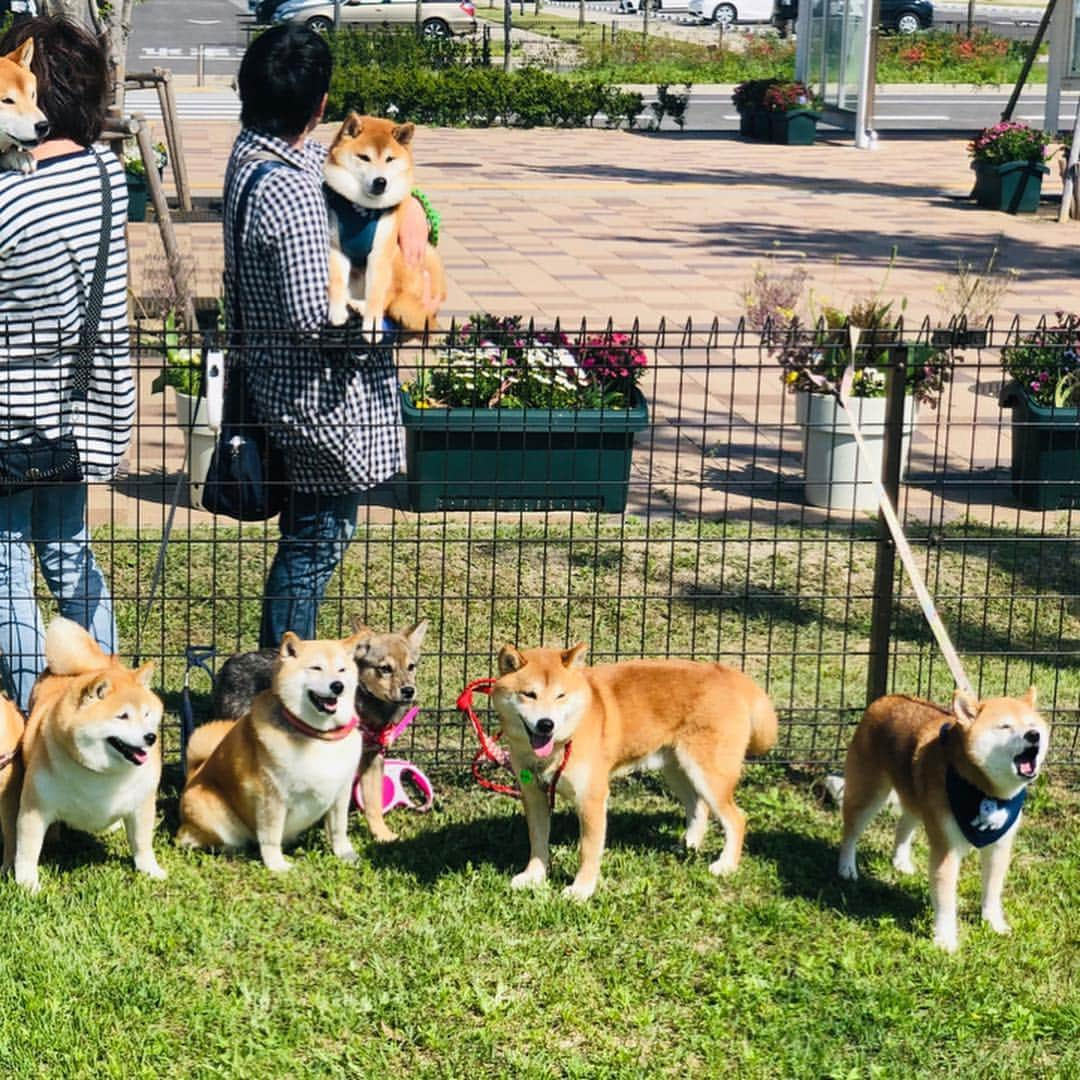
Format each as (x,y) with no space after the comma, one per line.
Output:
(43,460)
(246,478)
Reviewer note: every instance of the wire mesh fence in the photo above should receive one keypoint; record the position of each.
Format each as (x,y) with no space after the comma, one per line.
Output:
(674,493)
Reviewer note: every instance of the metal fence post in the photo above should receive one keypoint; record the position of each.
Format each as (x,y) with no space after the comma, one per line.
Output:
(885,550)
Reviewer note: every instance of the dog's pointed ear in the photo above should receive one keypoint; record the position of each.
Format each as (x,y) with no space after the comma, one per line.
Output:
(98,690)
(354,124)
(145,674)
(403,133)
(289,645)
(510,660)
(571,656)
(1030,698)
(23,54)
(359,627)
(965,707)
(415,636)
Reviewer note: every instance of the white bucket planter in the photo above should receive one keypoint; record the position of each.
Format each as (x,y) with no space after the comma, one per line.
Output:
(199,443)
(834,474)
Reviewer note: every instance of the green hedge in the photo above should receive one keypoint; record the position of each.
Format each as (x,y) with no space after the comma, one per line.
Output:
(479,97)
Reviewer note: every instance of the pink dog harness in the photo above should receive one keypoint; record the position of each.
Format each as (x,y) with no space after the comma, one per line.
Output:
(396,771)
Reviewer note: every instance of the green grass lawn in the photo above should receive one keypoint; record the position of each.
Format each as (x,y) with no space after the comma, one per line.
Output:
(421,961)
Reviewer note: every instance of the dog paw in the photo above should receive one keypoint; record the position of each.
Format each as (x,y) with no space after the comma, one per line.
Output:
(348,855)
(384,836)
(151,869)
(278,865)
(30,882)
(339,314)
(20,161)
(997,922)
(528,879)
(846,869)
(579,891)
(946,940)
(723,866)
(902,864)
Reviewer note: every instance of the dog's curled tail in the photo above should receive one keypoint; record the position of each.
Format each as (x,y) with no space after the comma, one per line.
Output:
(763,724)
(204,741)
(70,650)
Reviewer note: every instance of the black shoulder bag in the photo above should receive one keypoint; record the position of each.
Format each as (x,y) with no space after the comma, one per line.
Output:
(56,461)
(246,477)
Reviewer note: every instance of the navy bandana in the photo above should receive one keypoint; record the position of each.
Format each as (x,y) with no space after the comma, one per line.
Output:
(356,226)
(983,819)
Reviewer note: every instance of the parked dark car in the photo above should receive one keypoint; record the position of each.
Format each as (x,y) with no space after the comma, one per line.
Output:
(899,16)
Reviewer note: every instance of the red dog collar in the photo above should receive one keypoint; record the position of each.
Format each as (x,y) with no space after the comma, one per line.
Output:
(332,735)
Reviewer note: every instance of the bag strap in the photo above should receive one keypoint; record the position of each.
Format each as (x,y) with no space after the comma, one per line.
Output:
(80,372)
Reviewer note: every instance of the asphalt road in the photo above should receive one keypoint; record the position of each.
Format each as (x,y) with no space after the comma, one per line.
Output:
(170,34)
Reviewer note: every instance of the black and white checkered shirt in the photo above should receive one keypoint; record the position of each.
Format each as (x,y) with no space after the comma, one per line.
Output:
(334,412)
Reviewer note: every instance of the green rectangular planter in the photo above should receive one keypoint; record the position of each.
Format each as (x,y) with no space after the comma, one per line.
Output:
(1045,451)
(520,459)
(746,122)
(1014,186)
(762,124)
(797,127)
(138,193)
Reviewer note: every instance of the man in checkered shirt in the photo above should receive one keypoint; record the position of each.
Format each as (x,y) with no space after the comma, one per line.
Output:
(331,410)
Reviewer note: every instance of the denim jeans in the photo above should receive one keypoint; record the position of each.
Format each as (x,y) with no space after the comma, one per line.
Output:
(51,520)
(315,533)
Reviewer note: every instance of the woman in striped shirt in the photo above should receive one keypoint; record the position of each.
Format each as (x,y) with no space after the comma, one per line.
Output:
(50,235)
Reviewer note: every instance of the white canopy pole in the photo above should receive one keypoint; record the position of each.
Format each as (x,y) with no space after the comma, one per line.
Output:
(865,136)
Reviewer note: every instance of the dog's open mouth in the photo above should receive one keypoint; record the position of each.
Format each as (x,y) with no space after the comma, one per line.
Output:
(326,705)
(135,754)
(542,744)
(1027,763)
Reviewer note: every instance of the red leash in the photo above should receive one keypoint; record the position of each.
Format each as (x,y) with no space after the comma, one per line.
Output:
(496,754)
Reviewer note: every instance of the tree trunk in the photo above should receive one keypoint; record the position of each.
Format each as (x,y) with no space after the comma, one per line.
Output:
(970,17)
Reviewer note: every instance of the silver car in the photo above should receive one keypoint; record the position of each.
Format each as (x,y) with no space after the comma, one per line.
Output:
(438,18)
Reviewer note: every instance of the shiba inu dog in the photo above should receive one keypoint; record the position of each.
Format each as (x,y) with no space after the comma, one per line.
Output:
(693,721)
(11,732)
(369,175)
(963,774)
(91,754)
(22,123)
(386,689)
(285,765)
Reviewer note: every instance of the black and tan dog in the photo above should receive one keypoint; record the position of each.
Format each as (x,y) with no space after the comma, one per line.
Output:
(386,690)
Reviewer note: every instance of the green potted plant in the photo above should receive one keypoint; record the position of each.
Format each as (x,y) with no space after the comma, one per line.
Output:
(1009,160)
(792,116)
(511,417)
(182,371)
(135,172)
(1044,396)
(834,475)
(749,101)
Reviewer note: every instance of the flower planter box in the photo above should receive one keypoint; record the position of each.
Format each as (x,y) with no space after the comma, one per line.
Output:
(1045,451)
(747,122)
(835,476)
(762,124)
(520,459)
(1014,187)
(138,193)
(199,443)
(796,127)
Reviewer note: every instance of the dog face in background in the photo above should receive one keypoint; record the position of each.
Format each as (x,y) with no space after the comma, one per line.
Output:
(370,162)
(386,664)
(22,123)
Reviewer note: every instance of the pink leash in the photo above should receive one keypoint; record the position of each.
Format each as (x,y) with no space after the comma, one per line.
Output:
(396,771)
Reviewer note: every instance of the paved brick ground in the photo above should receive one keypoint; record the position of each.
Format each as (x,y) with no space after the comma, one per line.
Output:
(599,224)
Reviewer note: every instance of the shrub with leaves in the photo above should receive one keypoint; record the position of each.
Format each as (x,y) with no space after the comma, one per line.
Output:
(1010,140)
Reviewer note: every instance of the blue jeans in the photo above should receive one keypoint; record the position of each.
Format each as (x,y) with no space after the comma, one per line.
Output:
(315,534)
(51,520)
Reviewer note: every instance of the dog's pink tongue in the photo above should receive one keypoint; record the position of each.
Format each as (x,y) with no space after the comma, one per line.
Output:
(139,756)
(544,750)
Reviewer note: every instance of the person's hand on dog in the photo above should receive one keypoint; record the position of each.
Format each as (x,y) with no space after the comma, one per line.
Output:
(413,234)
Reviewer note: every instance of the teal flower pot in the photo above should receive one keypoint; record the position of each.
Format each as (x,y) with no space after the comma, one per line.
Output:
(520,459)
(1045,451)
(138,193)
(797,127)
(1013,186)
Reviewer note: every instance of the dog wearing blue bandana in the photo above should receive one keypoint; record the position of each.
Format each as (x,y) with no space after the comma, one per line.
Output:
(963,773)
(368,176)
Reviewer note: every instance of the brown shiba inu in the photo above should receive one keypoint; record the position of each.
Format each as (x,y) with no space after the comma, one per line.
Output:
(386,690)
(90,752)
(11,732)
(22,123)
(289,762)
(693,721)
(963,774)
(369,176)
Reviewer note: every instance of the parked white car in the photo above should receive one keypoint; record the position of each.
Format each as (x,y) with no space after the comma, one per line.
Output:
(729,12)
